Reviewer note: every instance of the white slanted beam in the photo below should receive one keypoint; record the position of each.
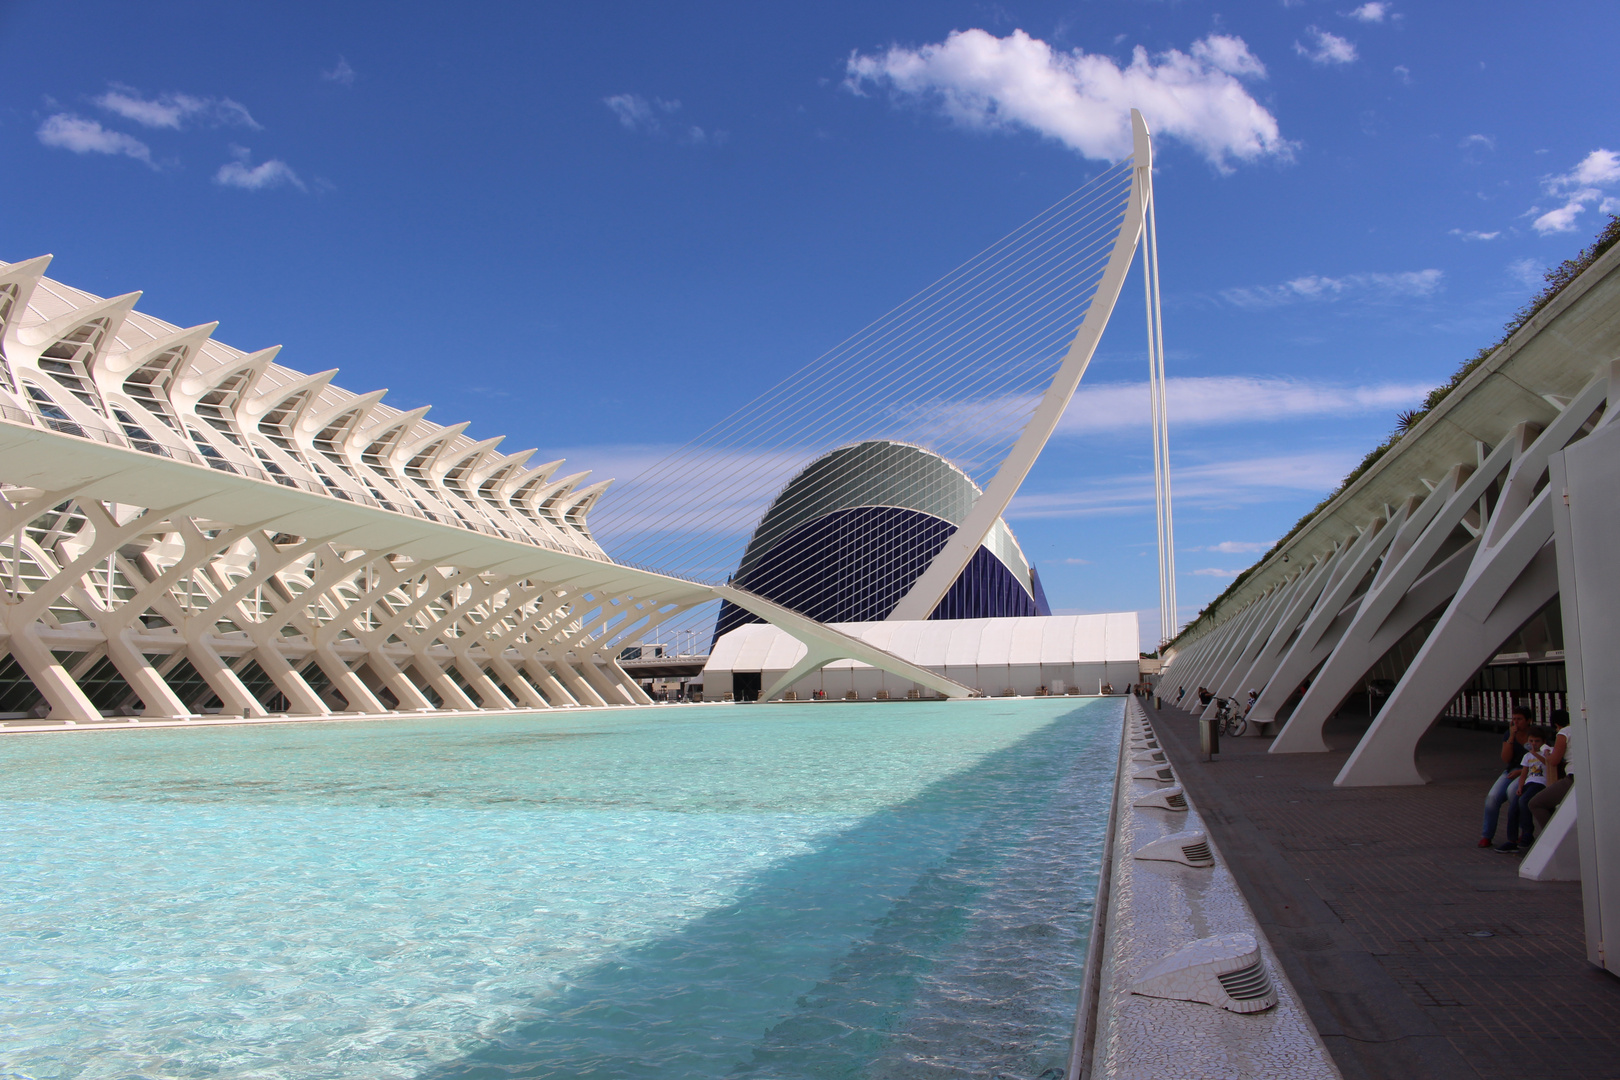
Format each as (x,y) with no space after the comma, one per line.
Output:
(932,585)
(1512,575)
(825,645)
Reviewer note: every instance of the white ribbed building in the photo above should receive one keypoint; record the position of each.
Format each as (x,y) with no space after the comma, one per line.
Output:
(192,528)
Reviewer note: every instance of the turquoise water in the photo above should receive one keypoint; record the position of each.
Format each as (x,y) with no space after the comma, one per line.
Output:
(881,891)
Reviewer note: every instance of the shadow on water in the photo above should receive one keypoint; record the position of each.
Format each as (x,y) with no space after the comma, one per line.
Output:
(941,937)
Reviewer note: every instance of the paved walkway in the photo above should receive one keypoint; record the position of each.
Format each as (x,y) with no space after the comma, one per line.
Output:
(1417,954)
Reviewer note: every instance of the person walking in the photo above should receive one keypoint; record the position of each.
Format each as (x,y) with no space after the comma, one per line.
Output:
(1512,753)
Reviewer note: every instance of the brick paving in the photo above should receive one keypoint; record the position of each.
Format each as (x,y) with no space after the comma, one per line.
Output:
(1378,902)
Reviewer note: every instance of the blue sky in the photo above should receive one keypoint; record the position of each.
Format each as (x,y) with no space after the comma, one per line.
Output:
(597,228)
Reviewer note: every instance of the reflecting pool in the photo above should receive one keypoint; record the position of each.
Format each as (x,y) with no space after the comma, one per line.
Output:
(877,890)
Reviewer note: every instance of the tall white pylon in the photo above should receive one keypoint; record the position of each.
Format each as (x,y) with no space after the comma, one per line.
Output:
(1161,418)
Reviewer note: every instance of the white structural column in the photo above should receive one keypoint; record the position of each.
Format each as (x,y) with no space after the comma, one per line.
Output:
(1307,587)
(1327,620)
(1512,576)
(931,586)
(1586,515)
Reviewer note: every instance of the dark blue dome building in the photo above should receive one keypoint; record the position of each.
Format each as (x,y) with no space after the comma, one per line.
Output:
(850,534)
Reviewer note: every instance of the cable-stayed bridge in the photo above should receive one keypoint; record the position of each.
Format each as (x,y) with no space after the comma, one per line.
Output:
(189,527)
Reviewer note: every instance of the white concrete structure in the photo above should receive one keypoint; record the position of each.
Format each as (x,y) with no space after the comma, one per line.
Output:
(1430,561)
(1493,520)
(187,526)
(1585,481)
(1062,653)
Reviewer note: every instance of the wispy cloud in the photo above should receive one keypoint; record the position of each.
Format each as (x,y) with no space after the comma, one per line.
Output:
(1240,547)
(341,73)
(1376,286)
(241,173)
(1526,272)
(1215,571)
(655,116)
(1372,12)
(1222,484)
(68,131)
(1326,47)
(1232,399)
(1579,188)
(174,110)
(1475,234)
(1083,100)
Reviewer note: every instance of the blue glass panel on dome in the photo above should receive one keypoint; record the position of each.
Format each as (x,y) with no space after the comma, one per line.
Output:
(854,565)
(985,590)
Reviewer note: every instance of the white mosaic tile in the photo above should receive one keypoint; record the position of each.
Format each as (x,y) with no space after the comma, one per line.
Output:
(1157,908)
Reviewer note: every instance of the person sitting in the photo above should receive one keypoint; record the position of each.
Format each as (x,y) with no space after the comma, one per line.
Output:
(1254,696)
(1532,781)
(1204,696)
(1181,692)
(1511,754)
(1559,778)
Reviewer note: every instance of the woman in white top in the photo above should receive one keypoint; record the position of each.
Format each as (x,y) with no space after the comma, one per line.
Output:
(1557,758)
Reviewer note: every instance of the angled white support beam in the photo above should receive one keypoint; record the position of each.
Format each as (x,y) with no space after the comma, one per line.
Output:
(1307,588)
(1511,576)
(932,585)
(1237,665)
(1335,612)
(825,645)
(1354,655)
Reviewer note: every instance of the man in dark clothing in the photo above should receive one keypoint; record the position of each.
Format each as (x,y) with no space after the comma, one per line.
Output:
(1204,696)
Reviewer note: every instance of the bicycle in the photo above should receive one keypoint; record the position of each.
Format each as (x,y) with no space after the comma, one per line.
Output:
(1228,719)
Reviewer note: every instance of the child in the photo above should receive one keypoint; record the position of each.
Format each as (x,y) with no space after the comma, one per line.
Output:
(1532,782)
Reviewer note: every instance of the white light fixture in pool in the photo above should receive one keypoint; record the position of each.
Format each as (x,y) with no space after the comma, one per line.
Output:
(1190,848)
(1226,971)
(1160,774)
(1169,798)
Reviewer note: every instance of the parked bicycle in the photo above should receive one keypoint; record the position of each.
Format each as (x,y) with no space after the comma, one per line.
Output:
(1229,719)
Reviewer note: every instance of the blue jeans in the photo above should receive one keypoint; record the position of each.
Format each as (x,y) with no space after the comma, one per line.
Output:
(1493,808)
(1521,810)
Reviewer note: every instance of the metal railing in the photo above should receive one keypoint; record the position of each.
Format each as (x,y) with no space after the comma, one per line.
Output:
(147,443)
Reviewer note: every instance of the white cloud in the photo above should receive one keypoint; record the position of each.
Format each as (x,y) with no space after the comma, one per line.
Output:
(1075,562)
(1600,167)
(1475,234)
(1579,188)
(242,174)
(1080,99)
(641,114)
(69,132)
(1215,484)
(342,73)
(1227,399)
(174,110)
(1525,271)
(1213,571)
(1372,12)
(1472,141)
(1240,547)
(1326,48)
(1410,283)
(1403,73)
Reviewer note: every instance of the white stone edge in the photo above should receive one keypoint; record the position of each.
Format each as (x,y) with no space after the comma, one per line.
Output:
(1085,1017)
(1288,998)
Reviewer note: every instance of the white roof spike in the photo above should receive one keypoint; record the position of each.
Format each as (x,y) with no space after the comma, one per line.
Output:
(271,398)
(113,310)
(403,420)
(25,275)
(190,340)
(363,404)
(196,383)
